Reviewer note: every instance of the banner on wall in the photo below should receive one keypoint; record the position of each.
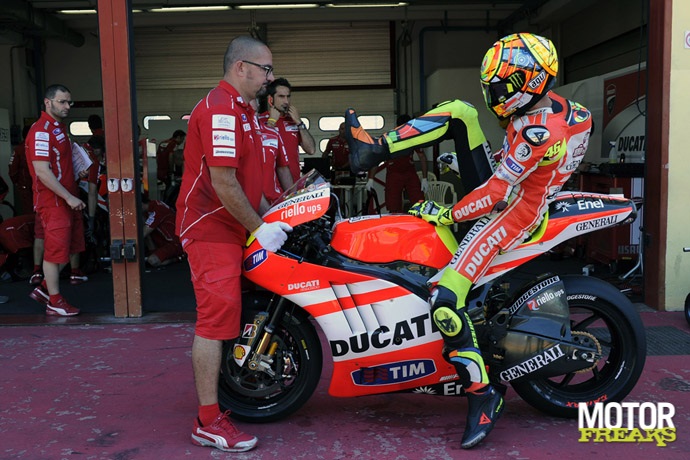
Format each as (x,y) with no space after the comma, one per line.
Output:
(624,119)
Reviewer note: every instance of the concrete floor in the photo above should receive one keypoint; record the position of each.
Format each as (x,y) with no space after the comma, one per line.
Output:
(124,390)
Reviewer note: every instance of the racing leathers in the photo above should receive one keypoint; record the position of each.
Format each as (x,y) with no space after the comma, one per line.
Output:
(541,150)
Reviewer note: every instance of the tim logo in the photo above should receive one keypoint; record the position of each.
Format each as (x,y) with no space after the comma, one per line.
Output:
(403,371)
(255,259)
(516,168)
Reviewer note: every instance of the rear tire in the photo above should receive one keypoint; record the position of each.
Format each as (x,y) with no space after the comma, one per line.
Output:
(255,396)
(599,309)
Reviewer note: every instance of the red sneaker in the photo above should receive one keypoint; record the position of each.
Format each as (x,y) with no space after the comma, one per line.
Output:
(77,277)
(40,294)
(36,278)
(223,435)
(61,308)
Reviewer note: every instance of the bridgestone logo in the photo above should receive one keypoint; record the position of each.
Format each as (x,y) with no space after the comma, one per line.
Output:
(582,297)
(523,298)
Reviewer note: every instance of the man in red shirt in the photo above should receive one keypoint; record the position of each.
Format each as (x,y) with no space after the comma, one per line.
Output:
(96,125)
(164,156)
(162,243)
(21,177)
(292,129)
(277,176)
(218,204)
(49,153)
(339,153)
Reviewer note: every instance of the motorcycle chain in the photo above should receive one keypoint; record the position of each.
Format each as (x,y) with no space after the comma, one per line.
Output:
(595,341)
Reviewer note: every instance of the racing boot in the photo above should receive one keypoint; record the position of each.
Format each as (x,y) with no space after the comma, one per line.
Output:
(483,409)
(365,151)
(461,349)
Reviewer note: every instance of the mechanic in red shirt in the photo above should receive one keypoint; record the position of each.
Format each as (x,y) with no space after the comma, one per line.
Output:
(220,197)
(94,183)
(49,153)
(164,156)
(162,243)
(277,176)
(339,153)
(18,170)
(292,129)
(16,233)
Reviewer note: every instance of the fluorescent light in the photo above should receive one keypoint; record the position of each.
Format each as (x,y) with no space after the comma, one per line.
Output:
(88,11)
(277,6)
(186,9)
(77,11)
(366,5)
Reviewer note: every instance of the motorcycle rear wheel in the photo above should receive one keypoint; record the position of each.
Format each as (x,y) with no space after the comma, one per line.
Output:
(254,396)
(597,308)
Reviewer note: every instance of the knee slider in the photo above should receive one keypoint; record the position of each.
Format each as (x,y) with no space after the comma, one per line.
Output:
(443,311)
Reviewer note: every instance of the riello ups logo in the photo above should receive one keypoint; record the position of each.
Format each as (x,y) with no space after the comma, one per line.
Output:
(627,422)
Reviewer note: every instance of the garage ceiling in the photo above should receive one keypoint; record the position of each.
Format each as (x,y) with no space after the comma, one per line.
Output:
(21,19)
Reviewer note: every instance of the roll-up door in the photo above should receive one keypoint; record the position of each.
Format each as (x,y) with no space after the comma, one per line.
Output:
(331,65)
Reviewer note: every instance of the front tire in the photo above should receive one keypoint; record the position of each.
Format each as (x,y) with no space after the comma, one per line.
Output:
(255,396)
(599,309)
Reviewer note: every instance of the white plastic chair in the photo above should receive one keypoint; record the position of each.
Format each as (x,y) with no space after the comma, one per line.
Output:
(443,193)
(429,176)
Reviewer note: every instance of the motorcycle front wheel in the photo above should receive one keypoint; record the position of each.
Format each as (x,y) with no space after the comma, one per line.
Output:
(598,309)
(258,396)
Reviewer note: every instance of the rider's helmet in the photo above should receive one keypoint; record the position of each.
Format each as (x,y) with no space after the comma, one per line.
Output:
(517,72)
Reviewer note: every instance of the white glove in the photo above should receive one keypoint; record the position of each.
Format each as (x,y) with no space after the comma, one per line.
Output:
(272,236)
(370,185)
(448,162)
(425,185)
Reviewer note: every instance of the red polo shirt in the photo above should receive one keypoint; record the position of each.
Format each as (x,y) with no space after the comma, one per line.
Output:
(341,151)
(223,131)
(47,140)
(289,133)
(274,156)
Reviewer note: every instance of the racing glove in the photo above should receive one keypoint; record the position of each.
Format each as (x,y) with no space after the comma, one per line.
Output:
(433,213)
(448,162)
(425,185)
(272,236)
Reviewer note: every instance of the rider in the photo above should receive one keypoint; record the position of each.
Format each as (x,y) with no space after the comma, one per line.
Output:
(546,138)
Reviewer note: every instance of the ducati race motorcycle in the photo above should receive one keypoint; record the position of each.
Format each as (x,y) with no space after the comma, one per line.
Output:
(364,281)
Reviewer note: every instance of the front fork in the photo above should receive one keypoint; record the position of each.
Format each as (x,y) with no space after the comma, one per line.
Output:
(262,356)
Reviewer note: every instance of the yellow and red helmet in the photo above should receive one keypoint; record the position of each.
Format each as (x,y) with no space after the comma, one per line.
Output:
(517,71)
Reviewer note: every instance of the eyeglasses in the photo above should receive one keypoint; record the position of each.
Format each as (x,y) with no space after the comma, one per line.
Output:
(63,101)
(266,68)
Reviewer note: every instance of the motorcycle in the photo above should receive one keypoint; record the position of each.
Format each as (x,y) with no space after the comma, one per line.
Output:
(558,340)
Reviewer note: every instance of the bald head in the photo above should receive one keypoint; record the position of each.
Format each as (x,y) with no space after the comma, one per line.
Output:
(241,48)
(248,66)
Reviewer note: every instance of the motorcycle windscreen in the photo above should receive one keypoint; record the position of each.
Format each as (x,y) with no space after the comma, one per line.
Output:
(391,238)
(306,200)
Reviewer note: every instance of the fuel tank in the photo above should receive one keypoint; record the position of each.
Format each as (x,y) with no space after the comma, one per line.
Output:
(394,237)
